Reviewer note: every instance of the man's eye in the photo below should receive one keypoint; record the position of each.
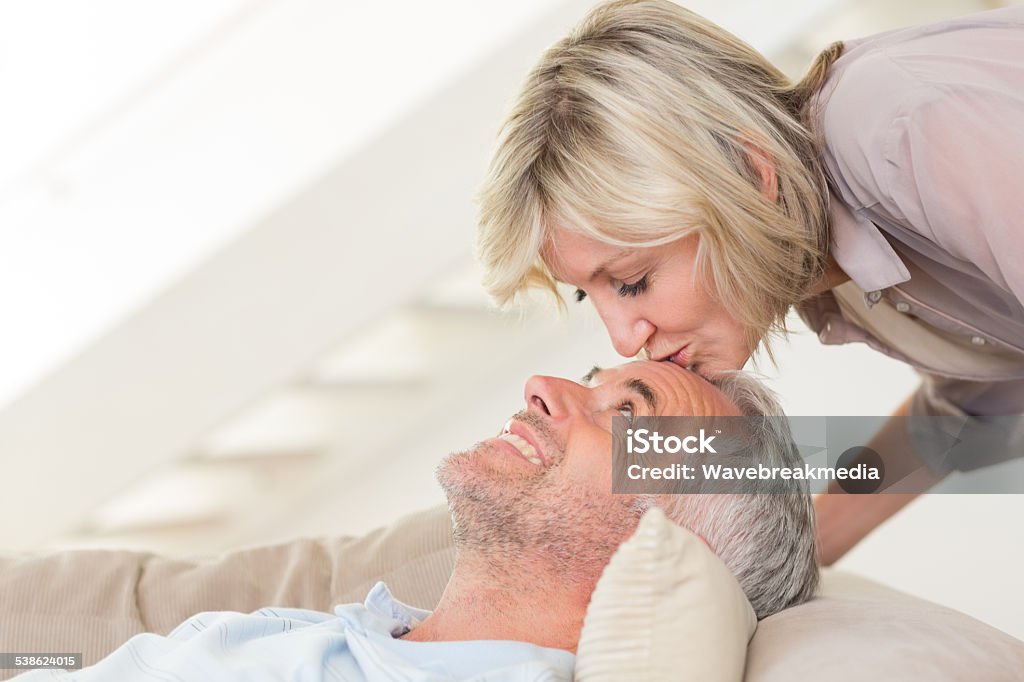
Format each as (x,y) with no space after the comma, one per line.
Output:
(635,289)
(626,410)
(580,295)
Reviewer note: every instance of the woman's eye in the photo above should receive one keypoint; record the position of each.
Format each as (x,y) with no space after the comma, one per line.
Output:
(635,289)
(580,295)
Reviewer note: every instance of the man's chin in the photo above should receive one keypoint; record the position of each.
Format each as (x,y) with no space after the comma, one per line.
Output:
(570,529)
(485,466)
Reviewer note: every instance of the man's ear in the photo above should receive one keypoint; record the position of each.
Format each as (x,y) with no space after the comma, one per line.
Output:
(762,163)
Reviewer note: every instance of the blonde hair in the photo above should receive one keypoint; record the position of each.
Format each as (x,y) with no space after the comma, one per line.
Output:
(644,126)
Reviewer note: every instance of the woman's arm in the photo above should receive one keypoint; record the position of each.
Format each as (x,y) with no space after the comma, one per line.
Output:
(844,519)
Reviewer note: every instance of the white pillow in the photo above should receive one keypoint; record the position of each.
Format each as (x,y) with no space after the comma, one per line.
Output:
(665,608)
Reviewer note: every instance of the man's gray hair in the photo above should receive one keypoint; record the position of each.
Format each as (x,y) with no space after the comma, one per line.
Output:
(767,539)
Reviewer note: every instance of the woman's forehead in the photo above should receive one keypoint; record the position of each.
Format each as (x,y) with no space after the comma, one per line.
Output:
(575,257)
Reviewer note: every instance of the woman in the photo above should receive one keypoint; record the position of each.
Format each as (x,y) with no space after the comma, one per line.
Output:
(680,182)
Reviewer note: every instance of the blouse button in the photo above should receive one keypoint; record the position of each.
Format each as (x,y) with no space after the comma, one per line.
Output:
(978,341)
(875,296)
(903,306)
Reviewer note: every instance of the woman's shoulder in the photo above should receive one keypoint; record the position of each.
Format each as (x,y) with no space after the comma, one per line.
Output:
(855,114)
(884,77)
(921,132)
(927,77)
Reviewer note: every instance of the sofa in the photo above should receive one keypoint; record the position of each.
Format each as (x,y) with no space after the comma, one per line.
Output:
(91,601)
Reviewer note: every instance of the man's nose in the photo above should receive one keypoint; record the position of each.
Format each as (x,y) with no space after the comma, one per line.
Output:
(553,397)
(629,333)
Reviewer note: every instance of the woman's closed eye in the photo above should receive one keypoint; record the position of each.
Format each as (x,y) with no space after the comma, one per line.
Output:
(624,289)
(635,289)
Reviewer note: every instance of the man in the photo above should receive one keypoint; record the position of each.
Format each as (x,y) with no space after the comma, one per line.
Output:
(535,522)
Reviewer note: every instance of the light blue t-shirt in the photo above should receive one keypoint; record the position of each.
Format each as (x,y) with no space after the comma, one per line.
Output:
(356,643)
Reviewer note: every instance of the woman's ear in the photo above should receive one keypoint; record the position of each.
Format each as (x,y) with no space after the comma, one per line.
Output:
(762,163)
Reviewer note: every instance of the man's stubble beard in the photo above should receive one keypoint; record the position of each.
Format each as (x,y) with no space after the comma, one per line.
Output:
(512,518)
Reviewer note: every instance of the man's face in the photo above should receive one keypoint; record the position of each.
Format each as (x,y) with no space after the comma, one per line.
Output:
(543,486)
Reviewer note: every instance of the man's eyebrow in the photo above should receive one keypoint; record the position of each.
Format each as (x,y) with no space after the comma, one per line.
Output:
(635,385)
(589,376)
(642,389)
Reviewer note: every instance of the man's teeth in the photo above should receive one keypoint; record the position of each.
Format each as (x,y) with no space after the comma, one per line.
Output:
(523,446)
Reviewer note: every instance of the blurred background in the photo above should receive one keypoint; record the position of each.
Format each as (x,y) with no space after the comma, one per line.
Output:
(238,294)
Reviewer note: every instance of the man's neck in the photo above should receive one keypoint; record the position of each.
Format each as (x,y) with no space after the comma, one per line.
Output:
(521,602)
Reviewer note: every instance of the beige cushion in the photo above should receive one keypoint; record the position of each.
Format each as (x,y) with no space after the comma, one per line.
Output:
(858,630)
(666,608)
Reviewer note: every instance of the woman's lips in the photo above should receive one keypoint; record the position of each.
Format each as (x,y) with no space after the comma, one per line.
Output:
(681,358)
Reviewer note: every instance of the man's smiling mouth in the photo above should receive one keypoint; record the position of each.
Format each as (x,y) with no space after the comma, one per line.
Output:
(528,452)
(521,437)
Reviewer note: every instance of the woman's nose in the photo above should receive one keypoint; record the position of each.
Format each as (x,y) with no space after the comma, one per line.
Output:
(629,336)
(552,396)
